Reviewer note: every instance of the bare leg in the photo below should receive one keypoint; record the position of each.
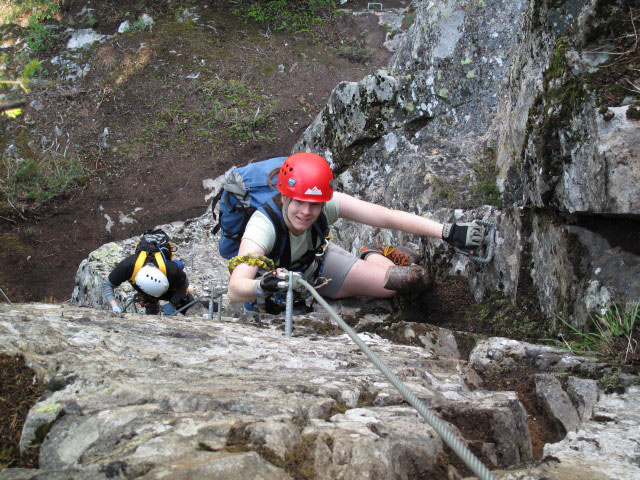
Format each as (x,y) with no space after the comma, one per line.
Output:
(366,278)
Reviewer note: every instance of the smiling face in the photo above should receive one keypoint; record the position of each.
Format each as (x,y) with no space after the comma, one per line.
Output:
(299,215)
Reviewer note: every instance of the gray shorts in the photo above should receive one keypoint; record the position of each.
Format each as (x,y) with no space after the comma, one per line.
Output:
(337,263)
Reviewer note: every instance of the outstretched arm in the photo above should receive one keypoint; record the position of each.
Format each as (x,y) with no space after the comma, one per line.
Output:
(369,213)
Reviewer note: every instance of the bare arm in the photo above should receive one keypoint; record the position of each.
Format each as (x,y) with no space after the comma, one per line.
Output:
(243,279)
(368,213)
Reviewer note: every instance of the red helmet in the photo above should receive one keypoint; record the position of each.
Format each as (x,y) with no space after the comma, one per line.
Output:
(306,177)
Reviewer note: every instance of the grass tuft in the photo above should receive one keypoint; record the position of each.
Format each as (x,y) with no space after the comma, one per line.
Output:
(611,335)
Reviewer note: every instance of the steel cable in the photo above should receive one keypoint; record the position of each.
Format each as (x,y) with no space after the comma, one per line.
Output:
(460,449)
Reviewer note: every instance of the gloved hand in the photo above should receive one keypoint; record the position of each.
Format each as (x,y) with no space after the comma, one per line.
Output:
(272,282)
(116,308)
(168,309)
(463,235)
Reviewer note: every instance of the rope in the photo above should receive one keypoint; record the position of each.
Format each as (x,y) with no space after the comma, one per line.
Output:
(288,318)
(193,246)
(252,259)
(212,292)
(438,425)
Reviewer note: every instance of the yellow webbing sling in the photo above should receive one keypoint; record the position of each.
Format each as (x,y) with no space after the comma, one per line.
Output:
(142,257)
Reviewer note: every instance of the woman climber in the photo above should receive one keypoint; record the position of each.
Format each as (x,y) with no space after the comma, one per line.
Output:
(308,204)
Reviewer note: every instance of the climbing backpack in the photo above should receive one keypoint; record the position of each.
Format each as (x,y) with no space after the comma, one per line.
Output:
(245,190)
(154,242)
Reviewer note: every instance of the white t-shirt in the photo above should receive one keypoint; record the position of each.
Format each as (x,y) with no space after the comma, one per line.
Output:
(261,231)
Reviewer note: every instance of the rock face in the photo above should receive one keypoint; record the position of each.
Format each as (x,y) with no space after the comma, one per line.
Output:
(158,396)
(486,84)
(135,396)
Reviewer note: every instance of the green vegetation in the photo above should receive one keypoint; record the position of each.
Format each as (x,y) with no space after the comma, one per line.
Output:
(228,106)
(43,181)
(39,38)
(139,25)
(484,190)
(409,18)
(355,52)
(498,316)
(281,15)
(611,382)
(611,336)
(444,191)
(14,11)
(31,182)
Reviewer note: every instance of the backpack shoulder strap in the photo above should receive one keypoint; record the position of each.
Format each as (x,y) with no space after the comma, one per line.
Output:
(160,261)
(322,225)
(214,202)
(140,261)
(319,230)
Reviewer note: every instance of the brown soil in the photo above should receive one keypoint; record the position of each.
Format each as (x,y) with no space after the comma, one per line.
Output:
(521,381)
(18,392)
(160,147)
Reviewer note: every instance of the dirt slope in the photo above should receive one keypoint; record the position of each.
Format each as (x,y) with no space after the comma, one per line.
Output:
(182,103)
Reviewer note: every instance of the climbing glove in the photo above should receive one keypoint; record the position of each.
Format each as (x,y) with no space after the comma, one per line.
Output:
(272,282)
(116,308)
(463,235)
(168,309)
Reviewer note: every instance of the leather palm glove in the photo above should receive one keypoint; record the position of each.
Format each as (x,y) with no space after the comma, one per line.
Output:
(272,282)
(463,235)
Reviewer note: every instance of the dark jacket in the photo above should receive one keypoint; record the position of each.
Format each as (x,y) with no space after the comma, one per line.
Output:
(178,281)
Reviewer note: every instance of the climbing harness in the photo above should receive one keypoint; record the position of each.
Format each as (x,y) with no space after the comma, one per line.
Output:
(252,259)
(490,245)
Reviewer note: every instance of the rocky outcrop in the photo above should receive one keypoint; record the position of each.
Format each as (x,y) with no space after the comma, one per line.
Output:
(160,396)
(500,84)
(135,396)
(575,405)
